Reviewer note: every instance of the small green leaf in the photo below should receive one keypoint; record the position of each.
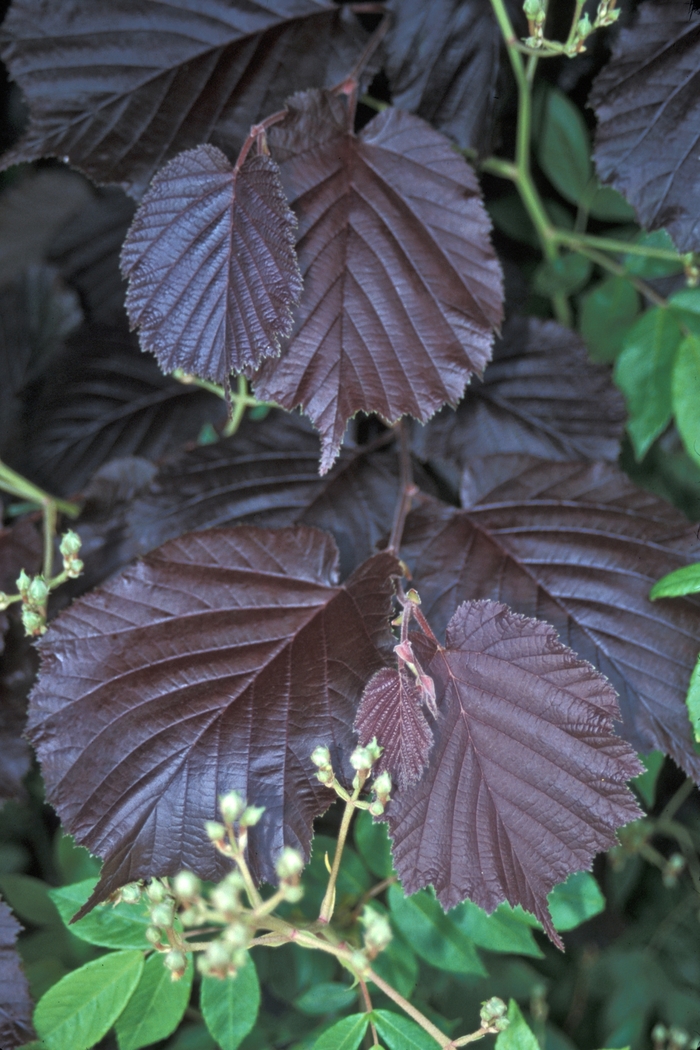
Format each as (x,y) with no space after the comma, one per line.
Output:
(607,314)
(156,1007)
(575,901)
(565,275)
(345,1035)
(564,150)
(645,783)
(677,583)
(648,267)
(518,1035)
(685,387)
(325,998)
(432,934)
(610,206)
(643,373)
(373,844)
(79,1010)
(30,899)
(400,1033)
(110,926)
(230,1006)
(503,931)
(693,700)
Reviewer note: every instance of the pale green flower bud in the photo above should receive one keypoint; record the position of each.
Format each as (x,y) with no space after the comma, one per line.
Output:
(34,623)
(162,914)
(186,885)
(376,808)
(74,569)
(321,757)
(176,962)
(326,776)
(251,815)
(374,750)
(361,759)
(218,955)
(38,591)
(153,935)
(293,894)
(215,831)
(70,544)
(290,863)
(237,935)
(377,931)
(23,583)
(231,806)
(493,1012)
(156,892)
(131,894)
(225,899)
(382,786)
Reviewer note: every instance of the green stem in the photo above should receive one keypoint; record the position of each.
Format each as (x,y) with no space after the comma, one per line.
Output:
(240,401)
(573,239)
(616,268)
(328,904)
(16,485)
(440,1038)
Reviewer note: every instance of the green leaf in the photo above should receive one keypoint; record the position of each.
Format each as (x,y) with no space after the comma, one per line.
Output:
(432,934)
(192,1037)
(610,206)
(156,1007)
(564,275)
(686,307)
(373,844)
(398,965)
(564,150)
(509,216)
(230,1006)
(607,313)
(325,998)
(518,1035)
(677,583)
(503,931)
(345,1035)
(645,783)
(30,899)
(643,373)
(400,1033)
(74,863)
(685,386)
(110,926)
(693,700)
(646,266)
(78,1011)
(575,901)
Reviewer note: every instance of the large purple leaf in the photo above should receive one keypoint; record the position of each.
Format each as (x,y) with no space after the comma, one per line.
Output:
(211,264)
(540,395)
(119,88)
(218,662)
(402,289)
(647,100)
(527,781)
(266,474)
(104,399)
(442,63)
(15,1002)
(578,546)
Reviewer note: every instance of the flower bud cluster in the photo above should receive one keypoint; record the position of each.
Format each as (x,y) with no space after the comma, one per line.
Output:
(381,788)
(289,867)
(494,1015)
(362,759)
(34,592)
(321,758)
(70,548)
(672,869)
(377,932)
(606,15)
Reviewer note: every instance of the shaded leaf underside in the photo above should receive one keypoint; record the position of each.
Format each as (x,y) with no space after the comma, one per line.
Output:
(401,286)
(579,547)
(218,662)
(527,781)
(121,88)
(15,1002)
(211,264)
(647,101)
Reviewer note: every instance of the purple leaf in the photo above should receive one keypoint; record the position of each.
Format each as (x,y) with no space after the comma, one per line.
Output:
(15,1001)
(578,546)
(540,395)
(647,100)
(211,264)
(402,289)
(526,781)
(218,662)
(391,711)
(119,88)
(18,666)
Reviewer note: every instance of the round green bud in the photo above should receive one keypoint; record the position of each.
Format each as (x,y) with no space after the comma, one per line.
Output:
(74,569)
(176,962)
(382,786)
(34,622)
(215,831)
(153,935)
(162,914)
(374,750)
(23,583)
(38,591)
(218,955)
(225,899)
(251,815)
(492,1010)
(156,892)
(376,808)
(239,958)
(131,894)
(326,776)
(321,757)
(359,963)
(293,894)
(236,934)
(231,806)
(70,544)
(290,863)
(361,759)
(190,917)
(186,885)
(659,1033)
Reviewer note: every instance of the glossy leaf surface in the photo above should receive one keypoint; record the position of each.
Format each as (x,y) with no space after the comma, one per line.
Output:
(108,926)
(527,782)
(580,547)
(157,1006)
(119,89)
(677,583)
(170,679)
(401,286)
(432,934)
(647,100)
(15,1002)
(391,711)
(401,1033)
(345,1034)
(540,395)
(230,1007)
(211,264)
